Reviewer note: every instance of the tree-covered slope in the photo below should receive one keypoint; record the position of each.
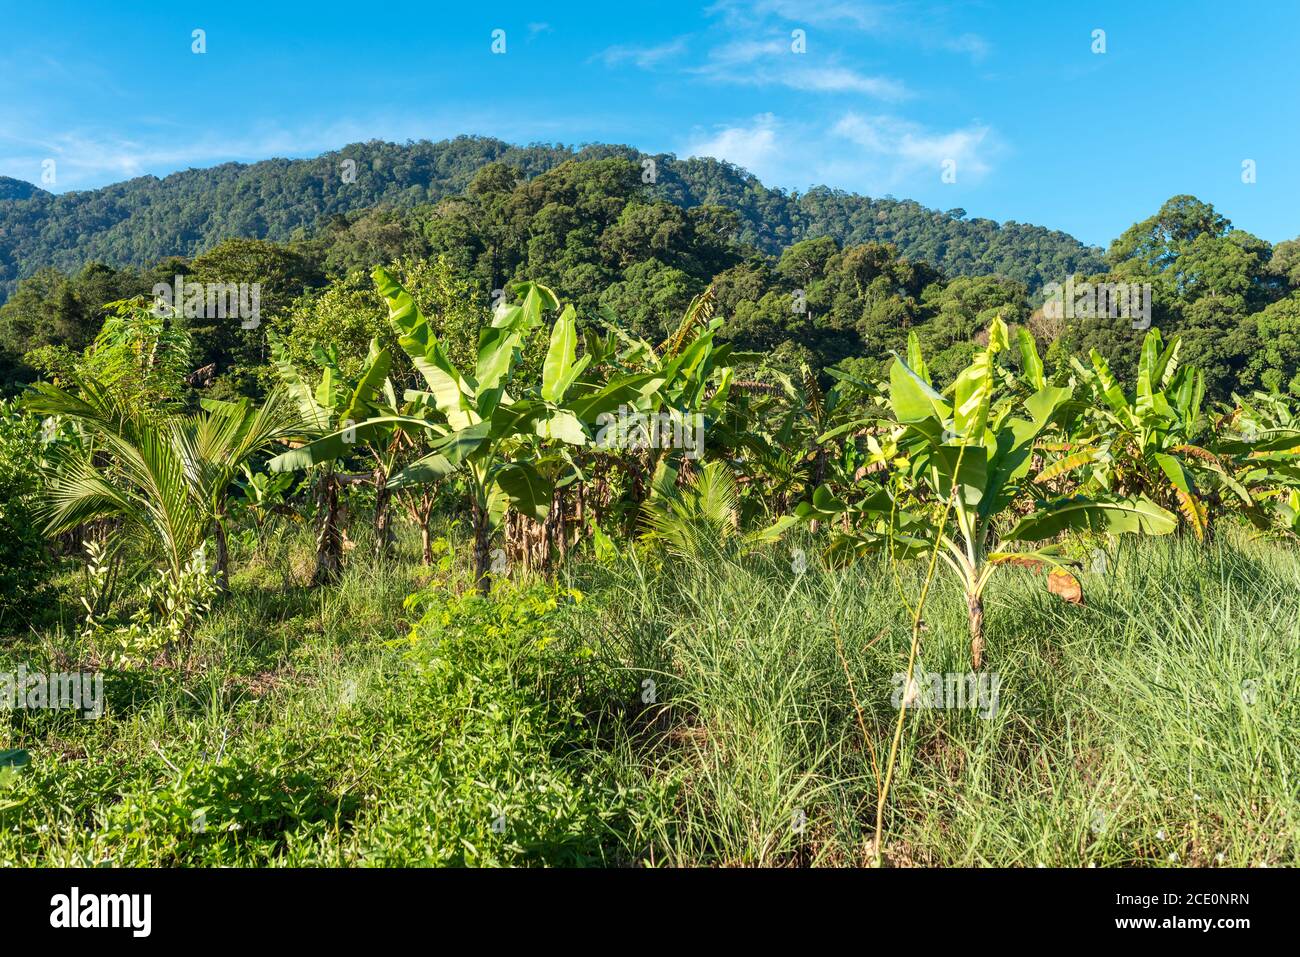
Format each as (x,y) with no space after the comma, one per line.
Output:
(143,220)
(17,189)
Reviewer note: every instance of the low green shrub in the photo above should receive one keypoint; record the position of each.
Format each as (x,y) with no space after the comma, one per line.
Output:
(25,562)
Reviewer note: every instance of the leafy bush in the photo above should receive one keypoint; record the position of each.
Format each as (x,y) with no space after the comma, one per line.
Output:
(24,559)
(168,611)
(214,809)
(511,776)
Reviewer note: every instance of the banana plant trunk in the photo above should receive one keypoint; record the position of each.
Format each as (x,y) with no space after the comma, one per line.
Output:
(554,546)
(482,555)
(329,541)
(426,544)
(975,613)
(383,523)
(420,509)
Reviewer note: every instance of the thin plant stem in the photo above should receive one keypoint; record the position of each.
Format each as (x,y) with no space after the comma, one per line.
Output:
(883,796)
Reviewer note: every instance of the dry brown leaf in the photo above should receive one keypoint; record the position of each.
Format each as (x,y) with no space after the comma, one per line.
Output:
(1034,564)
(1061,582)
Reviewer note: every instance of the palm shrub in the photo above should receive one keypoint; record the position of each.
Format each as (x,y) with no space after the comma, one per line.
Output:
(226,437)
(962,474)
(164,482)
(703,513)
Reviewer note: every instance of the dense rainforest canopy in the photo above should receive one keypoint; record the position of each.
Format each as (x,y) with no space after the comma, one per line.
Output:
(822,277)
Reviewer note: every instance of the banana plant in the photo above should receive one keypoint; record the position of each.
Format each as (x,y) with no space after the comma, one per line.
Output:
(332,407)
(962,458)
(262,496)
(1150,443)
(692,375)
(1287,514)
(1260,439)
(502,445)
(1262,415)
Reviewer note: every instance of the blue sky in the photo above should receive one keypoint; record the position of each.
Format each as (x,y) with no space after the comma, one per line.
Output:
(1038,127)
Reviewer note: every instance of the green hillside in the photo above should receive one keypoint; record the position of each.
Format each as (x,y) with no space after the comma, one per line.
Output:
(140,221)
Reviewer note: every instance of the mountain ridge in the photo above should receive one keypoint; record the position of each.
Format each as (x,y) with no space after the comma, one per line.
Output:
(17,189)
(147,218)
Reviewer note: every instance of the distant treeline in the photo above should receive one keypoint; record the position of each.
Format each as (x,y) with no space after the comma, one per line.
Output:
(143,220)
(823,277)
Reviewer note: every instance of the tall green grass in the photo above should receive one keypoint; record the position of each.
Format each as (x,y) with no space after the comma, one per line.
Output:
(1154,725)
(706,710)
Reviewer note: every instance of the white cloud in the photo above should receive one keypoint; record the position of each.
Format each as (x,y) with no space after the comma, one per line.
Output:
(643,57)
(739,52)
(927,25)
(89,157)
(904,148)
(754,147)
(86,158)
(859,16)
(842,80)
(873,154)
(972,44)
(771,62)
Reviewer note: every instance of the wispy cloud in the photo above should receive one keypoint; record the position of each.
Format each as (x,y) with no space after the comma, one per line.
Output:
(754,147)
(89,157)
(840,80)
(972,44)
(765,45)
(908,148)
(644,57)
(739,52)
(911,21)
(859,16)
(875,154)
(772,61)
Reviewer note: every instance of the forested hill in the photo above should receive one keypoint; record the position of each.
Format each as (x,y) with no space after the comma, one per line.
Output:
(17,189)
(146,219)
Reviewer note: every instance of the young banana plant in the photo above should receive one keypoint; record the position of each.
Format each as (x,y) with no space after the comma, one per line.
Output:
(332,408)
(1260,437)
(962,457)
